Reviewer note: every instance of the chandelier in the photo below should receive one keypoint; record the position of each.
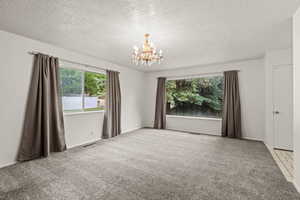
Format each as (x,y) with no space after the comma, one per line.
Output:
(148,54)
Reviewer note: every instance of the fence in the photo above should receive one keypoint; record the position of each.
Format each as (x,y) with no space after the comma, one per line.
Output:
(76,103)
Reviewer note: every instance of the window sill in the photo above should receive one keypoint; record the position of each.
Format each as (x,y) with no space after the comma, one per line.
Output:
(82,113)
(195,118)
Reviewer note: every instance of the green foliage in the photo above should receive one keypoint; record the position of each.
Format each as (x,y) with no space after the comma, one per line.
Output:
(71,83)
(199,96)
(94,84)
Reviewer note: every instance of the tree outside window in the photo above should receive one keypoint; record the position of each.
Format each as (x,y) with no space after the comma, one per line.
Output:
(197,97)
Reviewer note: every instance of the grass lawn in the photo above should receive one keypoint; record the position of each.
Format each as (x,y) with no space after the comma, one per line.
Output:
(85,110)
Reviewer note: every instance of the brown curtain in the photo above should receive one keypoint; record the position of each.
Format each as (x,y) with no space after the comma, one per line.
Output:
(231,121)
(112,117)
(43,130)
(160,107)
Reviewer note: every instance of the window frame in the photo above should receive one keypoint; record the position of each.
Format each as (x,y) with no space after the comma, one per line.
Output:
(204,75)
(83,69)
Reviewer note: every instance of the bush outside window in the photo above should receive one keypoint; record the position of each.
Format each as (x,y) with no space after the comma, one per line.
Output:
(196,97)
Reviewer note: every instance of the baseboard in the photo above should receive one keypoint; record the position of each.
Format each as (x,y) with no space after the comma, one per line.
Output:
(206,133)
(83,143)
(268,147)
(296,186)
(193,132)
(132,129)
(253,139)
(8,164)
(96,140)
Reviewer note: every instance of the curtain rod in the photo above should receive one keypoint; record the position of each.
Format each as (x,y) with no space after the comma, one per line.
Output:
(70,61)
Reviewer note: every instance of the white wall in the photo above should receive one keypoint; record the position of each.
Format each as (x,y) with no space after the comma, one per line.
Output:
(273,58)
(15,72)
(195,125)
(252,89)
(83,128)
(296,123)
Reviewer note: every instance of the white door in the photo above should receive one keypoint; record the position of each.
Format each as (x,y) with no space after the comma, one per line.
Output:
(283,107)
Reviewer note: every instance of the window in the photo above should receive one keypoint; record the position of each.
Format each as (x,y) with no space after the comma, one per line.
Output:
(196,97)
(82,90)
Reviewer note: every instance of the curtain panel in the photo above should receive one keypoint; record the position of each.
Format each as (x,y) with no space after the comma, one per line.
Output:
(43,130)
(112,116)
(160,106)
(231,120)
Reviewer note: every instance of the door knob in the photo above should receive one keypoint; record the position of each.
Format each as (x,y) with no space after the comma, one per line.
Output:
(276,112)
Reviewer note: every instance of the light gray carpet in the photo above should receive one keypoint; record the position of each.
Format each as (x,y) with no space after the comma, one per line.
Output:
(152,164)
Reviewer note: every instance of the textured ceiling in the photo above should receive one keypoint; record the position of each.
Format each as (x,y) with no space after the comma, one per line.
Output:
(190,32)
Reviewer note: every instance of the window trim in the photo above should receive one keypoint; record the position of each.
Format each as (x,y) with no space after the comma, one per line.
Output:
(69,65)
(81,69)
(183,77)
(83,112)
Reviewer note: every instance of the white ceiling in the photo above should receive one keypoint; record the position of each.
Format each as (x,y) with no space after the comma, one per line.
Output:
(190,32)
